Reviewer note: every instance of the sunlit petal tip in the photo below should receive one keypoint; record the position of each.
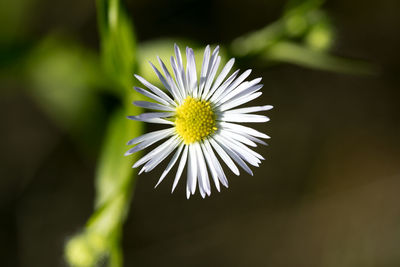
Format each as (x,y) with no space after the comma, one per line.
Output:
(142,170)
(159,182)
(134,166)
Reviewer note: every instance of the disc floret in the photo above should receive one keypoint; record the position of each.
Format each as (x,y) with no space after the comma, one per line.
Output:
(195,120)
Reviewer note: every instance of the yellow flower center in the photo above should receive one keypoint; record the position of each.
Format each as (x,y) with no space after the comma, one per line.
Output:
(195,120)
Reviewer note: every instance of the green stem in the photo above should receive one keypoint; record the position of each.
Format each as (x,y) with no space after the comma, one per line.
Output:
(115,178)
(301,55)
(258,41)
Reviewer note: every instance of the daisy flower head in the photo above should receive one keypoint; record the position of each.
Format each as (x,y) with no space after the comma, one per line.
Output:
(204,121)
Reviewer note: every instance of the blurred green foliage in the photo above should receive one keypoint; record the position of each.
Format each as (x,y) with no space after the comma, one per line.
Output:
(303,36)
(70,82)
(117,42)
(66,80)
(115,177)
(100,240)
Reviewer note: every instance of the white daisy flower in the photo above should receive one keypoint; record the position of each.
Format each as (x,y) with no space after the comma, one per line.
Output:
(203,117)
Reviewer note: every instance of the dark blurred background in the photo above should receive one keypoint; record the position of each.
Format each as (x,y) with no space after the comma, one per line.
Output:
(327,194)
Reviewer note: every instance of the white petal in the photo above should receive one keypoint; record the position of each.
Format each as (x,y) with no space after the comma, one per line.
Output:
(191,71)
(231,87)
(216,99)
(214,173)
(246,92)
(201,190)
(180,168)
(203,174)
(192,170)
(210,78)
(241,151)
(187,191)
(158,121)
(158,158)
(155,90)
(238,102)
(178,77)
(165,82)
(155,151)
(242,146)
(170,80)
(212,70)
(255,140)
(224,156)
(170,164)
(244,118)
(243,89)
(238,137)
(180,66)
(214,160)
(152,96)
(227,68)
(153,117)
(151,105)
(151,135)
(244,129)
(249,109)
(236,157)
(247,149)
(219,90)
(149,141)
(204,69)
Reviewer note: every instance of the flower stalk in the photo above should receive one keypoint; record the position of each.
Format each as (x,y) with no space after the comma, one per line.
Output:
(99,242)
